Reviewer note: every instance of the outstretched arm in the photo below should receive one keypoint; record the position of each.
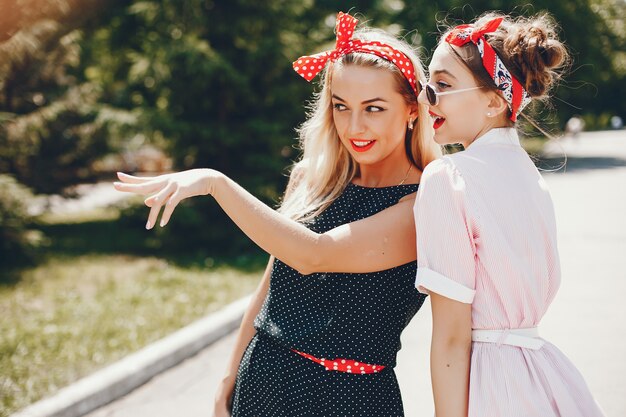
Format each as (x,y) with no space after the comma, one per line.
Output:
(382,241)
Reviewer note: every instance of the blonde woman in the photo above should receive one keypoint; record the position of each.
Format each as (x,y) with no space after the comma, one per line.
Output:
(315,341)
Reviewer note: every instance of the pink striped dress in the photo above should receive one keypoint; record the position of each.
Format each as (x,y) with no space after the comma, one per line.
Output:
(486,235)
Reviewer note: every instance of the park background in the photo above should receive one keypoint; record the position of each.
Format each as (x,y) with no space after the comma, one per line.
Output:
(91,87)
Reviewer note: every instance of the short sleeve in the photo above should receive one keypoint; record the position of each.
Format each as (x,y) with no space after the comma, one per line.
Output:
(446,257)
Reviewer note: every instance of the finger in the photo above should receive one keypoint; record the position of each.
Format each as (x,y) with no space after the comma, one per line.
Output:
(171,204)
(131,179)
(152,216)
(157,204)
(162,195)
(143,189)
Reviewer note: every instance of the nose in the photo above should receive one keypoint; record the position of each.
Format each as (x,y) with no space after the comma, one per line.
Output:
(357,125)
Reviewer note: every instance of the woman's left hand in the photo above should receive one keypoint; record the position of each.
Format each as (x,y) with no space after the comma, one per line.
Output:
(167,190)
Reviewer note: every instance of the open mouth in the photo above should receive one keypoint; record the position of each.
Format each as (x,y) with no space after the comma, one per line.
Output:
(437,120)
(361,145)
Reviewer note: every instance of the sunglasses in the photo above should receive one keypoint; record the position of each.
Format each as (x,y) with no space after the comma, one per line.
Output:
(432,95)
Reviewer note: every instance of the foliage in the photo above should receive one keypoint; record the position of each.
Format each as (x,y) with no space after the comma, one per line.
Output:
(17,242)
(54,124)
(210,82)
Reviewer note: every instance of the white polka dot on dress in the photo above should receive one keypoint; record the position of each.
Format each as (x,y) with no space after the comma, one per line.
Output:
(349,321)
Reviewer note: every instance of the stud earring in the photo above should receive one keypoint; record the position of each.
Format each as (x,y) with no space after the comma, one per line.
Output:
(488,114)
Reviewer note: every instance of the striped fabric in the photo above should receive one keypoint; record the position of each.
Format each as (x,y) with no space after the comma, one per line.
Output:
(486,235)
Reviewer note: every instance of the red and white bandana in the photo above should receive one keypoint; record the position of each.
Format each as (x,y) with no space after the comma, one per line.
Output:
(309,66)
(512,90)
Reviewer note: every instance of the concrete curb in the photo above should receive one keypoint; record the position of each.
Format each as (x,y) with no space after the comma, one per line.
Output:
(122,377)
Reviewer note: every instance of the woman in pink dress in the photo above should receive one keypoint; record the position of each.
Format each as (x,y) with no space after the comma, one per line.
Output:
(486,233)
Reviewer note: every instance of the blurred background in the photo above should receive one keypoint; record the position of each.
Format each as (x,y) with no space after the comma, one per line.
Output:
(91,87)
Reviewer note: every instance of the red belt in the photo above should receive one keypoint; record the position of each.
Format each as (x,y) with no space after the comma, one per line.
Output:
(343,365)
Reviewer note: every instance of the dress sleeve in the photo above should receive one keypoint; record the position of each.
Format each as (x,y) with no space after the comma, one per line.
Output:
(446,256)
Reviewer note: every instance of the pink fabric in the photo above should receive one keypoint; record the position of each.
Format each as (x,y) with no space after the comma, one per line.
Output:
(486,235)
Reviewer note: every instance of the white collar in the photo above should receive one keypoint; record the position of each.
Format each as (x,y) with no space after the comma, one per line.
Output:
(497,136)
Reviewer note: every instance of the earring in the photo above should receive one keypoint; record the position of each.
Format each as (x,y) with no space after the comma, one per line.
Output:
(410,124)
(489,114)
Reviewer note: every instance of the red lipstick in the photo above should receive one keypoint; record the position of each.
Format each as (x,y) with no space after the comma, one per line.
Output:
(362,145)
(437,120)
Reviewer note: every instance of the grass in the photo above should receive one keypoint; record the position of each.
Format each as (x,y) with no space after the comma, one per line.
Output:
(87,304)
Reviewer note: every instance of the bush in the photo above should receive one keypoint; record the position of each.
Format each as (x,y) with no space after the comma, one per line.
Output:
(198,229)
(17,242)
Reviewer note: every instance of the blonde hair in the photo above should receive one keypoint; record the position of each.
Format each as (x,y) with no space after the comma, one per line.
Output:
(326,167)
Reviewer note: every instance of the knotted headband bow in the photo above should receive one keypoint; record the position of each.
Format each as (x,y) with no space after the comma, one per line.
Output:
(512,90)
(309,66)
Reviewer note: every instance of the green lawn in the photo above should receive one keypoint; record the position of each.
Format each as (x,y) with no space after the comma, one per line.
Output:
(85,306)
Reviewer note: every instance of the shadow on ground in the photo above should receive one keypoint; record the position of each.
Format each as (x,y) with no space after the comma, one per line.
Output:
(575,163)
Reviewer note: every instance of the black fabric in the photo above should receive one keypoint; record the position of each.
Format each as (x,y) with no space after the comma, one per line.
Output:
(330,315)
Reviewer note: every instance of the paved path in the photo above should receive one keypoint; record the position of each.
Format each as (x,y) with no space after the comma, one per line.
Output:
(586,320)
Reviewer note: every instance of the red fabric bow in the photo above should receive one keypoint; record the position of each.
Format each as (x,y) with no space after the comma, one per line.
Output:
(463,34)
(309,66)
(512,90)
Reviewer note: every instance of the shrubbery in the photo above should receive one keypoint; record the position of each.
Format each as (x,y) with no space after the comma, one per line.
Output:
(17,242)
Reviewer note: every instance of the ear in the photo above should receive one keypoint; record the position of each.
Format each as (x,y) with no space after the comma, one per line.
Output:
(497,105)
(413,111)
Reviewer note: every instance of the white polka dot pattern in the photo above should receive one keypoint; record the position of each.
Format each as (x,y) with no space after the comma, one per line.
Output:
(309,66)
(356,318)
(275,382)
(343,365)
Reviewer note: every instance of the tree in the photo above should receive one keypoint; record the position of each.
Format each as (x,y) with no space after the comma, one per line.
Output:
(211,81)
(53,125)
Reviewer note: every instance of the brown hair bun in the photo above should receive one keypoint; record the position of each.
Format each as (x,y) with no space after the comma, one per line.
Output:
(531,45)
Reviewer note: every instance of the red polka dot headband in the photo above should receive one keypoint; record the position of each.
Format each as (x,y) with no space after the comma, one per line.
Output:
(309,66)
(512,91)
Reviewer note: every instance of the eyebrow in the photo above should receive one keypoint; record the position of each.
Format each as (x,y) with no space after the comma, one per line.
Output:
(443,71)
(363,102)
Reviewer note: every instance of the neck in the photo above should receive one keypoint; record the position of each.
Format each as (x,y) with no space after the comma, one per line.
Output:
(484,130)
(387,172)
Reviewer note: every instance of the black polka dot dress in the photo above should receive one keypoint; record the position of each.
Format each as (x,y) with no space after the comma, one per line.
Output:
(334,317)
